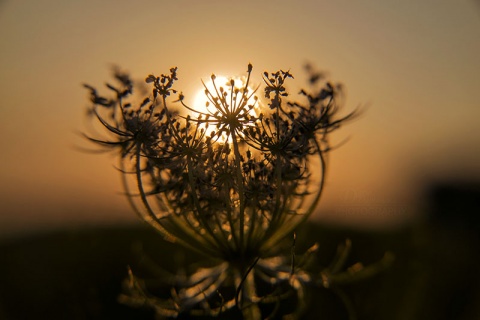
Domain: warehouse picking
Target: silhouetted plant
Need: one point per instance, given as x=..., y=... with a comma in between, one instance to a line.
x=234, y=193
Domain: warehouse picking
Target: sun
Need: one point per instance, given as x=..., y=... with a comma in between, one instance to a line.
x=218, y=85
x=201, y=102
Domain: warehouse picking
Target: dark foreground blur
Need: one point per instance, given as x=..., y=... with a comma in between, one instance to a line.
x=78, y=274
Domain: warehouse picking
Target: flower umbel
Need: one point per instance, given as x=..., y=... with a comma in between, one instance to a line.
x=234, y=200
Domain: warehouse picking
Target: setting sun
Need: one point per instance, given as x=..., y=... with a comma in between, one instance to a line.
x=237, y=95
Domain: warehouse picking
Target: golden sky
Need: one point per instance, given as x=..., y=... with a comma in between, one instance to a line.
x=413, y=65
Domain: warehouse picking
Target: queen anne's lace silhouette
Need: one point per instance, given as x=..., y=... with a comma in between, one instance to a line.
x=232, y=199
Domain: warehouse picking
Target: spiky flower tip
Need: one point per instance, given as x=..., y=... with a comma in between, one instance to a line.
x=232, y=193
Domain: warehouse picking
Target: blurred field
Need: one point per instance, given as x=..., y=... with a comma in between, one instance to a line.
x=78, y=274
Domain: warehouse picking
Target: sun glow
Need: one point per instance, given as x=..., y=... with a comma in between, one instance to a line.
x=231, y=89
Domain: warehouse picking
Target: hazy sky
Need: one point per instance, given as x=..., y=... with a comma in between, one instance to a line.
x=414, y=66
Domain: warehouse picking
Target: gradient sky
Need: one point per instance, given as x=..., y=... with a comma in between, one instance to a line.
x=413, y=65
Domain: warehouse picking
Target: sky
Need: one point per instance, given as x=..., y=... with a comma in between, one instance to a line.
x=412, y=67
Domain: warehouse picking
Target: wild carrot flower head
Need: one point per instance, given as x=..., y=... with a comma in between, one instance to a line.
x=236, y=198
x=226, y=198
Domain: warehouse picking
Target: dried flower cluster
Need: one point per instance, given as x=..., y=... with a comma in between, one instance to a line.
x=232, y=193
